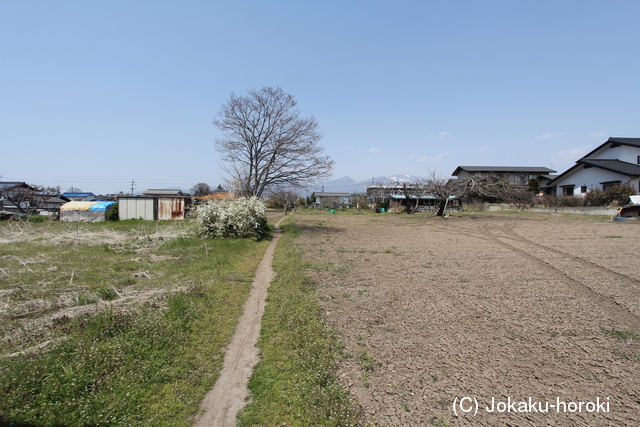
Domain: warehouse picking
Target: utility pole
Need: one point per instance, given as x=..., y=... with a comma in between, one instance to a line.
x=132, y=185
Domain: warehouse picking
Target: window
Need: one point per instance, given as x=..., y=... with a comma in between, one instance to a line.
x=638, y=160
x=567, y=190
x=583, y=189
x=609, y=185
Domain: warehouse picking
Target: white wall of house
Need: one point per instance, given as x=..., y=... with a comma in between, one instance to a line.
x=586, y=179
x=623, y=153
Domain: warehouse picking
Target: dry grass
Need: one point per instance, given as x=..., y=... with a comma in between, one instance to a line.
x=115, y=323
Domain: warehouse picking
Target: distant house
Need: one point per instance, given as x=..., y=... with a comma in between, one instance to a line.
x=408, y=196
x=51, y=205
x=80, y=197
x=18, y=197
x=545, y=181
x=329, y=199
x=520, y=175
x=614, y=163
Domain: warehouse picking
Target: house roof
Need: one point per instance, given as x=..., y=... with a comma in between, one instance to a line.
x=523, y=169
x=613, y=165
x=633, y=142
x=77, y=194
x=163, y=192
x=549, y=177
x=424, y=197
x=54, y=199
x=330, y=194
x=11, y=184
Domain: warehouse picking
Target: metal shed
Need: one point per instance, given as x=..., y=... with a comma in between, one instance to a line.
x=85, y=211
x=138, y=208
x=152, y=208
x=171, y=208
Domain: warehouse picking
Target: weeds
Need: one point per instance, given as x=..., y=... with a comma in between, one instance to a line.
x=295, y=384
x=143, y=350
x=623, y=335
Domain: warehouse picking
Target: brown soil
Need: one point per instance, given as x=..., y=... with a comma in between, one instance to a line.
x=432, y=311
x=228, y=396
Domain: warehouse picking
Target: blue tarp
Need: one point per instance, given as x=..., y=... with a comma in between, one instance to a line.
x=101, y=206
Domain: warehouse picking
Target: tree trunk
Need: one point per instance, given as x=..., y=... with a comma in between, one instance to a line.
x=442, y=207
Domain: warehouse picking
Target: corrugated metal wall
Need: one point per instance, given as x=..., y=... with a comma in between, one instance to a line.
x=170, y=208
x=137, y=208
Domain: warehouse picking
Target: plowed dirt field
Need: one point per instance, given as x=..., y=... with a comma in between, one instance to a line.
x=493, y=320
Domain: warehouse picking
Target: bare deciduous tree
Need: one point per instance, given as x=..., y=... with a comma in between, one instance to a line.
x=443, y=188
x=266, y=143
x=287, y=199
x=502, y=190
x=26, y=198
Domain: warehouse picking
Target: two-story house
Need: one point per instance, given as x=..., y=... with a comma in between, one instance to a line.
x=616, y=162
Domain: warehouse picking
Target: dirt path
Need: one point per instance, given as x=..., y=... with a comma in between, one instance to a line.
x=488, y=309
x=221, y=405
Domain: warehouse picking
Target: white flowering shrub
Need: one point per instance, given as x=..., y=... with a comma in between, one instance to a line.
x=231, y=218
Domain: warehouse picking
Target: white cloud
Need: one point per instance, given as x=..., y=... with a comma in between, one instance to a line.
x=551, y=135
x=423, y=158
x=440, y=156
x=598, y=135
x=483, y=148
x=443, y=134
x=374, y=150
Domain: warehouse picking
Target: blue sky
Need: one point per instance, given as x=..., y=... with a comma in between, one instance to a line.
x=95, y=94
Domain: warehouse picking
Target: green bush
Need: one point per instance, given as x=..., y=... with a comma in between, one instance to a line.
x=232, y=218
x=112, y=213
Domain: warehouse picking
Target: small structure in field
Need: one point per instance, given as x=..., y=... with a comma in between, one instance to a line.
x=154, y=205
x=85, y=211
x=332, y=199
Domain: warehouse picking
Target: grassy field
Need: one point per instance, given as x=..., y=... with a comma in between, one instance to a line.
x=125, y=324
x=115, y=323
x=295, y=383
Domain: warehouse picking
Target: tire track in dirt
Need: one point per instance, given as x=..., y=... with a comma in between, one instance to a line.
x=621, y=311
x=521, y=239
x=615, y=309
x=433, y=310
x=221, y=405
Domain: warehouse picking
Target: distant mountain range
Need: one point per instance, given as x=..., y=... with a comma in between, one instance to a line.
x=349, y=185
